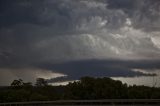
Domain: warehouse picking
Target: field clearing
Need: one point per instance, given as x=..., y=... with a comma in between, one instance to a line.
x=108, y=102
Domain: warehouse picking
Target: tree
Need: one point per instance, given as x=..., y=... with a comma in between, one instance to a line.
x=41, y=82
x=17, y=83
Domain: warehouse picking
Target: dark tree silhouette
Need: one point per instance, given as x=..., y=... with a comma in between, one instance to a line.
x=41, y=82
x=86, y=88
x=17, y=83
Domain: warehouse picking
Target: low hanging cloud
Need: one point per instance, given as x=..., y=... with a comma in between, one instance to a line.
x=103, y=68
x=37, y=33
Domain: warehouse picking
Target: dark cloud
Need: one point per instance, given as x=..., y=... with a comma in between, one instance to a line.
x=103, y=68
x=122, y=4
x=144, y=14
x=65, y=14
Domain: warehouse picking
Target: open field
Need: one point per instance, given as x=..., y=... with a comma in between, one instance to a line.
x=108, y=102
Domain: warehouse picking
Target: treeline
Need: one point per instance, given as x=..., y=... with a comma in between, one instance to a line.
x=87, y=88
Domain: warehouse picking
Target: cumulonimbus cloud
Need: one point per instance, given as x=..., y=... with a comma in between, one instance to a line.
x=51, y=32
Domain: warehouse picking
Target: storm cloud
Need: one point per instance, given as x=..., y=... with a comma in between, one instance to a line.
x=56, y=35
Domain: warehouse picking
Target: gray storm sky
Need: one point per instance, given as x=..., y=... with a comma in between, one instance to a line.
x=74, y=38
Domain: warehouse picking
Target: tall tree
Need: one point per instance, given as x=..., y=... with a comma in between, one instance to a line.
x=17, y=83
x=41, y=82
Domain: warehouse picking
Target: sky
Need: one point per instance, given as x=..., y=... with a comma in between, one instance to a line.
x=64, y=40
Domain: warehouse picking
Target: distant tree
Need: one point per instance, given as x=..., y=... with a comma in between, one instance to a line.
x=17, y=83
x=41, y=82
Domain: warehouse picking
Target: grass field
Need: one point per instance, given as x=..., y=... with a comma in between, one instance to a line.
x=108, y=102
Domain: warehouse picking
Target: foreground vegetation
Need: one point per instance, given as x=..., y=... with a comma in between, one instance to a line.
x=87, y=88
